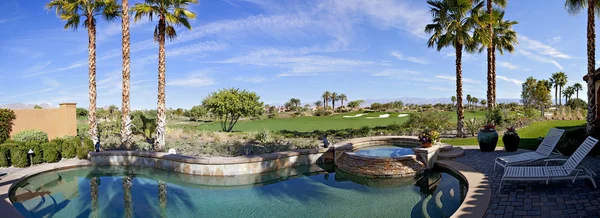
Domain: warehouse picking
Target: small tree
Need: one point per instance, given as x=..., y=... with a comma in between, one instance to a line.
x=228, y=105
x=196, y=113
x=37, y=107
x=7, y=116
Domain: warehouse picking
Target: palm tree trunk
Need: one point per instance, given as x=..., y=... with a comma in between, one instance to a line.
x=127, y=195
x=494, y=75
x=162, y=198
x=94, y=195
x=333, y=104
x=459, y=107
x=591, y=49
x=577, y=93
x=555, y=95
x=490, y=90
x=559, y=98
x=93, y=131
x=159, y=143
x=125, y=119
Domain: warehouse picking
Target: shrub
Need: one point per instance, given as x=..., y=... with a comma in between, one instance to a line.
x=4, y=154
x=432, y=120
x=262, y=136
x=576, y=103
x=394, y=127
x=83, y=150
x=51, y=152
x=530, y=112
x=18, y=156
x=69, y=147
x=31, y=135
x=38, y=154
x=321, y=112
x=81, y=112
x=494, y=116
x=7, y=117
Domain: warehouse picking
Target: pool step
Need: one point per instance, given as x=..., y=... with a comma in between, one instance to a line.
x=451, y=153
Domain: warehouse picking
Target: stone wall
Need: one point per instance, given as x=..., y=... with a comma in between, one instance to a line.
x=404, y=166
x=213, y=166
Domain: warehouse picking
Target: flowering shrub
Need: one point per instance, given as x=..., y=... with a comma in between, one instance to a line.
x=429, y=136
x=488, y=128
x=510, y=131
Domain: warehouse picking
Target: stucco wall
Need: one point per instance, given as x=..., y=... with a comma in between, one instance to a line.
x=57, y=122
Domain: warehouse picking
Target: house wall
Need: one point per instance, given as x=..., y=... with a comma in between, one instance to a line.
x=57, y=122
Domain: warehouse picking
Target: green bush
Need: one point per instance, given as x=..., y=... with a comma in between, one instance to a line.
x=69, y=147
x=577, y=103
x=87, y=147
x=7, y=117
x=4, y=155
x=81, y=112
x=18, y=156
x=432, y=120
x=37, y=156
x=321, y=112
x=51, y=152
x=494, y=116
x=31, y=135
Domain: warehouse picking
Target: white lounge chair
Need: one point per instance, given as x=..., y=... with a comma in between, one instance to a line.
x=571, y=169
x=544, y=151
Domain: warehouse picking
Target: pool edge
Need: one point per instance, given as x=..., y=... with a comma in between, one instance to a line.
x=479, y=192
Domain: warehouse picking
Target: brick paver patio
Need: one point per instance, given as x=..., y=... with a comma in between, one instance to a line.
x=535, y=199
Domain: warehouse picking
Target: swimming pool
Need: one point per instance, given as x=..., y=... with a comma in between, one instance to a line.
x=148, y=192
x=384, y=151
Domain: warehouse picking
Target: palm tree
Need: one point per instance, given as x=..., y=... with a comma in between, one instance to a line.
x=170, y=13
x=453, y=22
x=574, y=7
x=318, y=104
x=453, y=99
x=554, y=81
x=334, y=97
x=326, y=97
x=483, y=102
x=577, y=87
x=474, y=101
x=504, y=38
x=491, y=73
x=568, y=92
x=125, y=119
x=343, y=98
x=72, y=11
x=561, y=81
x=469, y=99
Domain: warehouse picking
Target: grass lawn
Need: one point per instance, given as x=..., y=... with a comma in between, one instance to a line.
x=309, y=124
x=529, y=135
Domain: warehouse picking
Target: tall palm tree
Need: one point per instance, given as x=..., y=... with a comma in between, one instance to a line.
x=568, y=92
x=334, y=97
x=504, y=38
x=491, y=92
x=170, y=13
x=554, y=81
x=577, y=87
x=574, y=7
x=72, y=11
x=561, y=81
x=318, y=104
x=326, y=97
x=453, y=22
x=343, y=98
x=125, y=119
x=453, y=99
x=469, y=99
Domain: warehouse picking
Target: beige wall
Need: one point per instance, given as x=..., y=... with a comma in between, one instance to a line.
x=57, y=122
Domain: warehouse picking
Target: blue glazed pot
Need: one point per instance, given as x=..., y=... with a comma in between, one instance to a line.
x=487, y=140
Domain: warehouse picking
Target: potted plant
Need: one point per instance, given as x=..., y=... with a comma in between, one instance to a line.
x=428, y=137
x=511, y=139
x=487, y=138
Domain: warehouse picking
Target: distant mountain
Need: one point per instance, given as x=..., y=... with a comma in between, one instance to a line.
x=25, y=106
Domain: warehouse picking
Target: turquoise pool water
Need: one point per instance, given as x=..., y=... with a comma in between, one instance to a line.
x=384, y=151
x=305, y=191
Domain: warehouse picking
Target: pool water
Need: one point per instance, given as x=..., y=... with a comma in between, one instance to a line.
x=384, y=151
x=147, y=192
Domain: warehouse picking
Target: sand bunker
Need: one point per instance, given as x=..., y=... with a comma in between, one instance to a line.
x=402, y=115
x=358, y=115
x=380, y=116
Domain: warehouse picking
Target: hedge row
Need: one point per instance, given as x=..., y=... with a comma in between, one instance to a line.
x=15, y=153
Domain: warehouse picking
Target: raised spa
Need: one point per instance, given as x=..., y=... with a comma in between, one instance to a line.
x=305, y=191
x=385, y=151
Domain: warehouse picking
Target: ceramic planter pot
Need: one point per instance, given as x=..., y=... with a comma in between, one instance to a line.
x=511, y=142
x=487, y=140
x=426, y=144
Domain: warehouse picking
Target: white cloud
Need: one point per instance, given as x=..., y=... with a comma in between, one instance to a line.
x=396, y=73
x=402, y=57
x=539, y=58
x=198, y=79
x=541, y=48
x=507, y=65
x=515, y=81
x=453, y=78
x=9, y=19
x=251, y=79
x=554, y=40
x=70, y=67
x=37, y=67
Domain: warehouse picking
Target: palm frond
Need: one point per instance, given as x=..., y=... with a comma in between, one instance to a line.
x=170, y=32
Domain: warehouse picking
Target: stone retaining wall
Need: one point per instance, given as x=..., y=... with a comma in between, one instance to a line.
x=404, y=166
x=213, y=166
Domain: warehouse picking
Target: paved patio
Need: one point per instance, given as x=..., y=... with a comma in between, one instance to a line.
x=535, y=199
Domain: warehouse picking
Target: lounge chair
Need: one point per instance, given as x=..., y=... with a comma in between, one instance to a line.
x=544, y=151
x=571, y=169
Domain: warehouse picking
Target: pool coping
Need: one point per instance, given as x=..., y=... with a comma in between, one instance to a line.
x=479, y=192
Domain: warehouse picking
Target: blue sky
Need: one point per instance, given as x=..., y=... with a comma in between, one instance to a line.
x=279, y=49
